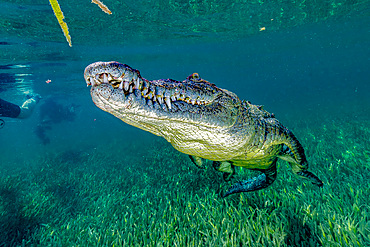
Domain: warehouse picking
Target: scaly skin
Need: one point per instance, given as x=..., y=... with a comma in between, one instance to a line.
x=201, y=120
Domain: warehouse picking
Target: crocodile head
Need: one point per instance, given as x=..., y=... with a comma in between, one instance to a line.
x=193, y=115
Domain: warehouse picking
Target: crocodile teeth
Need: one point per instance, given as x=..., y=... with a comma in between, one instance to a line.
x=130, y=89
x=160, y=99
x=145, y=91
x=92, y=82
x=105, y=78
x=168, y=102
x=126, y=84
x=173, y=98
x=121, y=85
x=137, y=83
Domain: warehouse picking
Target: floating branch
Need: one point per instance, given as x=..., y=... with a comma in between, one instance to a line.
x=59, y=15
x=102, y=6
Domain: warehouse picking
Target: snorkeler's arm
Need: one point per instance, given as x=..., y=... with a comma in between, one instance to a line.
x=28, y=106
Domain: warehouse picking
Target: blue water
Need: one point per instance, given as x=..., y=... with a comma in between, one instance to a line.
x=317, y=71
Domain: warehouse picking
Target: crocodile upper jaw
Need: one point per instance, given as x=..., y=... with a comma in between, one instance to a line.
x=120, y=90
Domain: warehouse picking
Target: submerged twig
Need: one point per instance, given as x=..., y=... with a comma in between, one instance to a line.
x=59, y=15
x=102, y=6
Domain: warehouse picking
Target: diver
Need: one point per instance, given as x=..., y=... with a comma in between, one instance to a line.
x=11, y=110
x=10, y=80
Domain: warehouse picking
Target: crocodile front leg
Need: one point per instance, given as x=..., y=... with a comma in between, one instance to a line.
x=226, y=167
x=198, y=161
x=262, y=181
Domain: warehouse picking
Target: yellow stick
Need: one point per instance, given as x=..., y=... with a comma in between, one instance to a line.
x=59, y=15
x=102, y=6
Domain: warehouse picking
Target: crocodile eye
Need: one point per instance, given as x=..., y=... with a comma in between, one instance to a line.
x=195, y=76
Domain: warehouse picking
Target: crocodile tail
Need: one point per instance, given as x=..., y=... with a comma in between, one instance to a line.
x=309, y=175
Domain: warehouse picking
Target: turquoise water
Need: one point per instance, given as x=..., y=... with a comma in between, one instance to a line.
x=318, y=68
x=309, y=64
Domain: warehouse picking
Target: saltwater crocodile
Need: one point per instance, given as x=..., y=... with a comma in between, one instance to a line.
x=201, y=120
